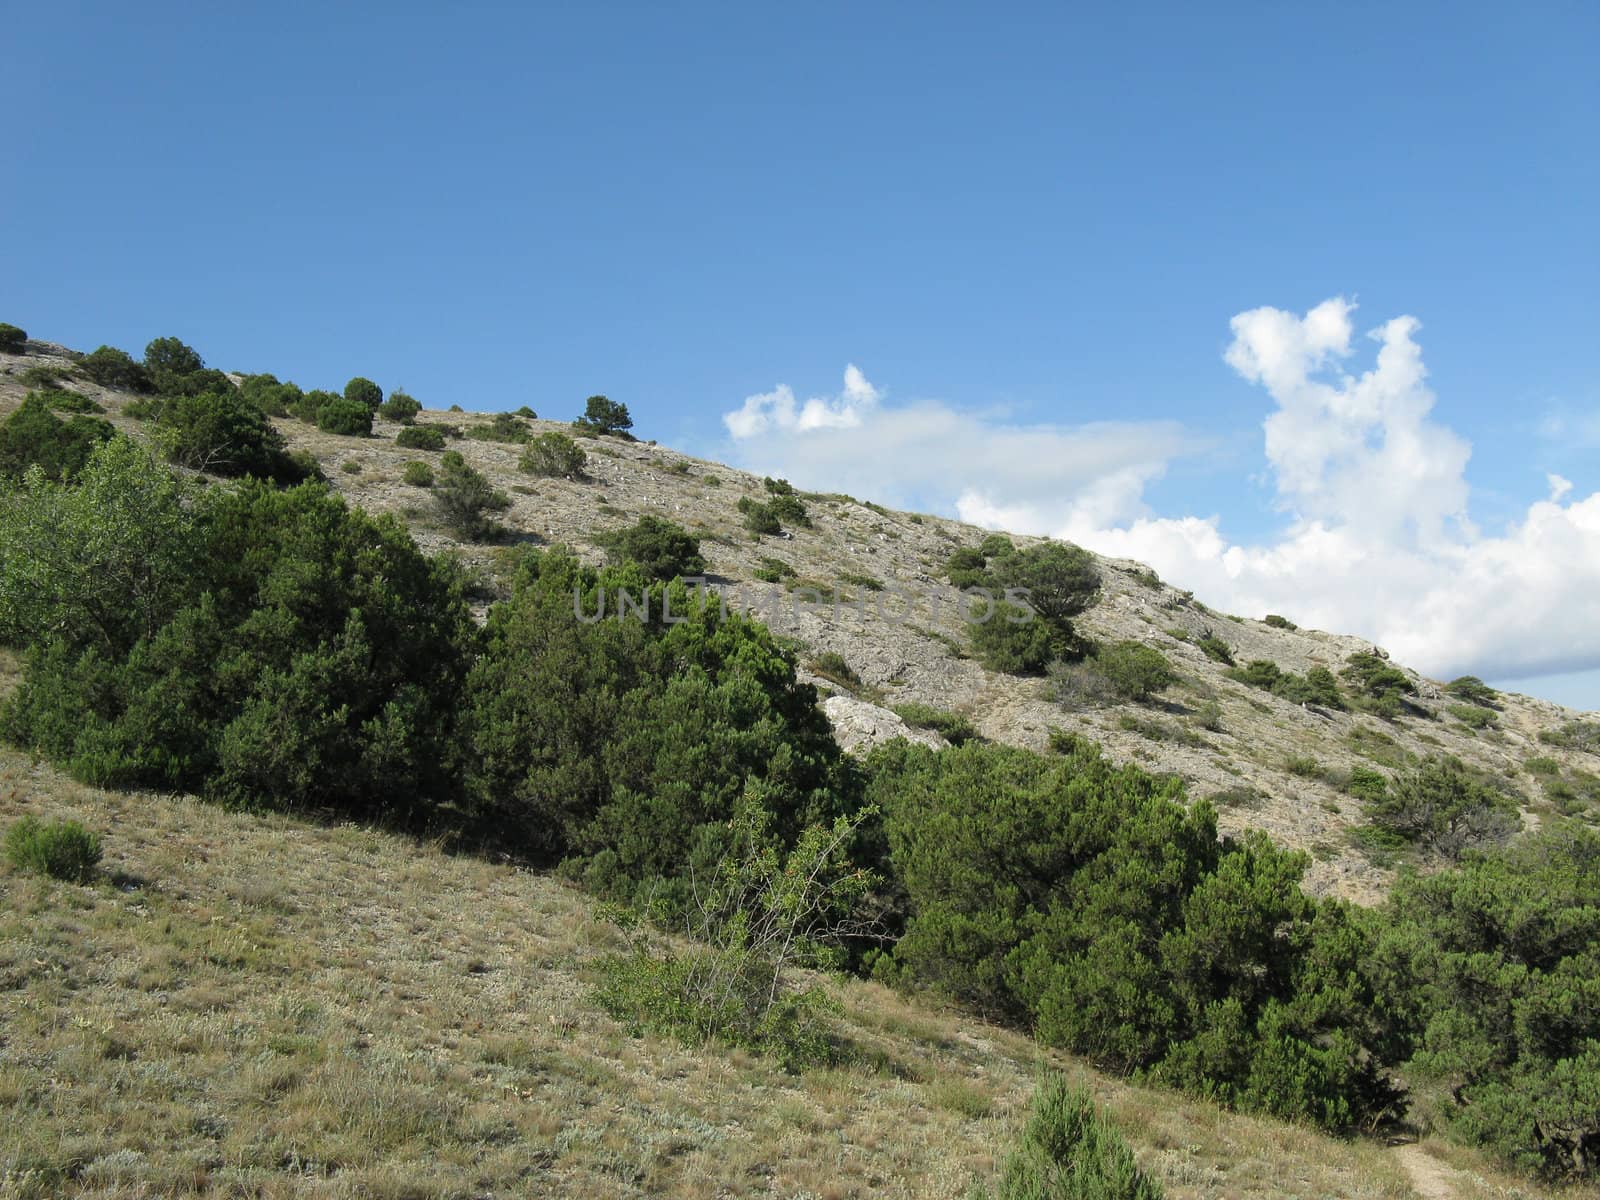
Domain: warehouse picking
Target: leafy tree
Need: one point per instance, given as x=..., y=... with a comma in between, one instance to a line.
x=420, y=437
x=169, y=356
x=34, y=436
x=1377, y=685
x=1442, y=806
x=660, y=549
x=464, y=497
x=12, y=339
x=1215, y=648
x=113, y=368
x=553, y=455
x=1137, y=671
x=400, y=408
x=364, y=392
x=312, y=403
x=344, y=416
x=605, y=416
x=256, y=645
x=1060, y=579
x=221, y=433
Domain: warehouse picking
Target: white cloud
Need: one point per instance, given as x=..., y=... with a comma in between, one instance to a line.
x=1377, y=539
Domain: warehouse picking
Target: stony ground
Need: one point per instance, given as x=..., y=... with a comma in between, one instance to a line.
x=1271, y=764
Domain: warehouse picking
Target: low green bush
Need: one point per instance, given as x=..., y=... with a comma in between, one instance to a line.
x=12, y=339
x=1069, y=1150
x=954, y=728
x=221, y=433
x=464, y=498
x=417, y=474
x=603, y=416
x=1215, y=648
x=773, y=570
x=1135, y=670
x=346, y=417
x=113, y=368
x=833, y=666
x=1277, y=622
x=400, y=408
x=1473, y=716
x=420, y=437
x=1472, y=690
x=34, y=435
x=507, y=428
x=1445, y=807
x=660, y=549
x=62, y=850
x=553, y=455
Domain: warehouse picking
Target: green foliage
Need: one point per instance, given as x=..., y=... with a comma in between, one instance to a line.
x=346, y=417
x=400, y=408
x=660, y=549
x=1136, y=671
x=1277, y=622
x=1574, y=735
x=273, y=398
x=773, y=570
x=33, y=436
x=1070, y=1151
x=1378, y=687
x=996, y=545
x=1316, y=686
x=967, y=568
x=507, y=428
x=1491, y=973
x=1215, y=648
x=255, y=645
x=1060, y=580
x=766, y=912
x=1020, y=616
x=364, y=392
x=175, y=369
x=12, y=339
x=465, y=498
x=1472, y=716
x=113, y=368
x=623, y=744
x=1367, y=785
x=1472, y=690
x=49, y=377
x=1302, y=765
x=1010, y=638
x=554, y=455
x=350, y=467
x=417, y=474
x=1540, y=765
x=953, y=727
x=1089, y=902
x=1444, y=807
x=833, y=666
x=601, y=415
x=759, y=518
x=855, y=579
x=420, y=437
x=62, y=850
x=223, y=434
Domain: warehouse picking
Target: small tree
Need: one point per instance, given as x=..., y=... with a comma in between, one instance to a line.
x=1137, y=671
x=168, y=356
x=400, y=408
x=553, y=455
x=1473, y=690
x=662, y=549
x=464, y=496
x=348, y=417
x=365, y=392
x=113, y=368
x=1069, y=1151
x=1442, y=806
x=605, y=416
x=12, y=339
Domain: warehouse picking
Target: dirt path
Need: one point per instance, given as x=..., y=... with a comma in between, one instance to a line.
x=1430, y=1178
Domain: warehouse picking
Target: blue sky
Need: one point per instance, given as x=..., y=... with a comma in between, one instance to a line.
x=1039, y=220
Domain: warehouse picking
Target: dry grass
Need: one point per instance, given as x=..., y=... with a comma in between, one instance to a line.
x=256, y=1005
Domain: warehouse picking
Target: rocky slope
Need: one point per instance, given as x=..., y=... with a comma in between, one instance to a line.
x=869, y=586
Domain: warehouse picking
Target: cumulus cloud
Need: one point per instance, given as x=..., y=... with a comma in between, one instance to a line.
x=1376, y=537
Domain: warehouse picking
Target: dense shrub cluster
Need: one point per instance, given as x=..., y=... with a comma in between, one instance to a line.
x=1316, y=686
x=12, y=339
x=1444, y=807
x=364, y=392
x=113, y=368
x=659, y=548
x=272, y=397
x=554, y=455
x=34, y=436
x=350, y=418
x=224, y=434
x=1377, y=687
x=502, y=427
x=1022, y=619
x=420, y=437
x=257, y=646
x=1085, y=900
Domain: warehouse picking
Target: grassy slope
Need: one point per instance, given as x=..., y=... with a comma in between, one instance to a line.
x=258, y=1005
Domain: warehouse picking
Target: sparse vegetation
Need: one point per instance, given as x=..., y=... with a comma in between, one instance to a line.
x=1583, y=736
x=1443, y=807
x=506, y=428
x=1070, y=1151
x=952, y=727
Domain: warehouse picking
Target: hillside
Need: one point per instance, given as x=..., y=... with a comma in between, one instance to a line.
x=255, y=1005
x=1270, y=763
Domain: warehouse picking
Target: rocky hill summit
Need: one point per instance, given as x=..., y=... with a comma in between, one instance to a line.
x=863, y=594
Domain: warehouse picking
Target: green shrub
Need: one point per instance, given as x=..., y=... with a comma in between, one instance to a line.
x=953, y=727
x=601, y=415
x=773, y=570
x=1302, y=765
x=832, y=665
x=506, y=428
x=1472, y=690
x=1215, y=648
x=176, y=369
x=554, y=455
x=400, y=408
x=364, y=392
x=660, y=549
x=996, y=545
x=861, y=581
x=346, y=417
x=12, y=339
x=1071, y=1151
x=62, y=850
x=1009, y=638
x=1444, y=807
x=34, y=436
x=350, y=467
x=420, y=437
x=221, y=433
x=113, y=368
x=1277, y=622
x=524, y=411
x=1367, y=785
x=464, y=497
x=1472, y=716
x=270, y=396
x=1539, y=765
x=967, y=568
x=1378, y=687
x=1136, y=671
x=417, y=474
x=256, y=645
x=1574, y=735
x=48, y=377
x=759, y=518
